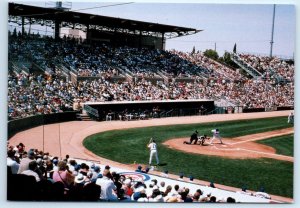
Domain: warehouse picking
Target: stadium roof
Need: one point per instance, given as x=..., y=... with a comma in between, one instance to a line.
x=42, y=13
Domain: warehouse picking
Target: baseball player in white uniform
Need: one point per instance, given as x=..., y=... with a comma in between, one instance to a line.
x=216, y=135
x=153, y=151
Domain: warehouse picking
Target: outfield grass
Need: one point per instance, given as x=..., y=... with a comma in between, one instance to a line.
x=129, y=145
x=284, y=145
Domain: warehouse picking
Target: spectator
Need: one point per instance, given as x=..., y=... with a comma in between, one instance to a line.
x=32, y=171
x=63, y=175
x=24, y=165
x=107, y=187
x=11, y=162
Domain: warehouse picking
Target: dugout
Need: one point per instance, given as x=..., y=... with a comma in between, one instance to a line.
x=161, y=108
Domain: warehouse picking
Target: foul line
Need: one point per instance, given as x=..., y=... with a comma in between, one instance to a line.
x=262, y=137
x=254, y=151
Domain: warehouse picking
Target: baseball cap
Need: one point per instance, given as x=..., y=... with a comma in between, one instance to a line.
x=30, y=152
x=96, y=168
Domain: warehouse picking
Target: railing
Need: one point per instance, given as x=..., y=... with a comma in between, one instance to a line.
x=91, y=111
x=169, y=112
x=126, y=73
x=162, y=114
x=166, y=80
x=217, y=110
x=252, y=71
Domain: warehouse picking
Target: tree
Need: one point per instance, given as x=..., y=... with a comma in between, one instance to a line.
x=234, y=48
x=15, y=32
x=226, y=59
x=194, y=50
x=211, y=54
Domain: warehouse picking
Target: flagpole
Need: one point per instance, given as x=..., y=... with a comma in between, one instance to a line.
x=272, y=34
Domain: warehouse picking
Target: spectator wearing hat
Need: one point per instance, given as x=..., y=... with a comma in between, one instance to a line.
x=84, y=169
x=63, y=174
x=96, y=173
x=76, y=169
x=197, y=195
x=107, y=187
x=71, y=165
x=11, y=162
x=139, y=169
x=76, y=191
x=55, y=163
x=24, y=165
x=80, y=179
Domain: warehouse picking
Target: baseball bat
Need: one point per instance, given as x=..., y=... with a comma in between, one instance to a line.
x=149, y=142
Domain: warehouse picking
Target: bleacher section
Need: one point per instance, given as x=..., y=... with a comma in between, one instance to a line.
x=68, y=71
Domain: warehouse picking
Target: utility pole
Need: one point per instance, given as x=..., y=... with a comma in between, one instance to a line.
x=272, y=34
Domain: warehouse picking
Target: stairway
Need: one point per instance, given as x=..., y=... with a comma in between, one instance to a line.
x=83, y=117
x=249, y=69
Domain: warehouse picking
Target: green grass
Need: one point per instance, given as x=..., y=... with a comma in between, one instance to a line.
x=129, y=145
x=284, y=145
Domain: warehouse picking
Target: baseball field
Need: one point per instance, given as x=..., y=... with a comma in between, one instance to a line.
x=257, y=152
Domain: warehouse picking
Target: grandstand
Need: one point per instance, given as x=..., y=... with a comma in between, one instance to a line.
x=122, y=72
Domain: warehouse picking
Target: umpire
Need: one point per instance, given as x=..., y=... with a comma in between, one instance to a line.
x=193, y=139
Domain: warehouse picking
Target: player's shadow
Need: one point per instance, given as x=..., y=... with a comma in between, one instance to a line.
x=162, y=164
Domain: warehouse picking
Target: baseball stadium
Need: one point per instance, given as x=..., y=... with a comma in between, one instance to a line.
x=99, y=110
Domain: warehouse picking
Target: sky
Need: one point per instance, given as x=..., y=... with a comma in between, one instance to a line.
x=223, y=25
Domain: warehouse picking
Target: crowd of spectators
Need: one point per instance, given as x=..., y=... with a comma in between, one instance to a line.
x=101, y=59
x=34, y=95
x=214, y=69
x=270, y=66
x=51, y=92
x=35, y=175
